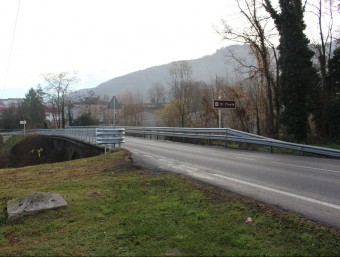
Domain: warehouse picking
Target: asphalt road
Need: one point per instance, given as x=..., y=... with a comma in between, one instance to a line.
x=309, y=186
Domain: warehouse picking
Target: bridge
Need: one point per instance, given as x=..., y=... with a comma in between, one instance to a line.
x=308, y=185
x=72, y=149
x=79, y=142
x=110, y=137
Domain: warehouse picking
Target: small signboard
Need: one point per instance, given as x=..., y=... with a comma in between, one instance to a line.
x=226, y=104
x=114, y=104
x=23, y=122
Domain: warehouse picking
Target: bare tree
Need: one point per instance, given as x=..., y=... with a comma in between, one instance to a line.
x=157, y=94
x=200, y=105
x=245, y=115
x=323, y=46
x=168, y=116
x=57, y=88
x=132, y=113
x=257, y=31
x=181, y=88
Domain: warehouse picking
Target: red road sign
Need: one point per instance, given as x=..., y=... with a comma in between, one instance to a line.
x=225, y=104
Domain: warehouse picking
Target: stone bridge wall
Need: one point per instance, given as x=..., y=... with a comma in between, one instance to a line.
x=72, y=149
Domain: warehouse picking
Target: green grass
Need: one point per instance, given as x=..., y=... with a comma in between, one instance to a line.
x=12, y=141
x=115, y=208
x=329, y=145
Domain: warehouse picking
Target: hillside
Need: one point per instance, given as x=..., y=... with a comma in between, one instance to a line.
x=220, y=63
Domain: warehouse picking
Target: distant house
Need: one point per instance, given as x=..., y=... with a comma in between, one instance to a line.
x=98, y=108
x=10, y=101
x=50, y=117
x=2, y=108
x=7, y=103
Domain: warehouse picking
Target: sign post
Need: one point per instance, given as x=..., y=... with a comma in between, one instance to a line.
x=223, y=104
x=23, y=122
x=114, y=104
x=219, y=118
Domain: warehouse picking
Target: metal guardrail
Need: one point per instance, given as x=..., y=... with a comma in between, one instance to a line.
x=110, y=136
x=107, y=136
x=228, y=135
x=88, y=134
x=84, y=134
x=210, y=131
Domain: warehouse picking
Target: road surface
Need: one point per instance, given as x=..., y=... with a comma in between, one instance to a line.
x=309, y=186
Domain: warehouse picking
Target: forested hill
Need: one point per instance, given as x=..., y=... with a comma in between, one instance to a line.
x=204, y=69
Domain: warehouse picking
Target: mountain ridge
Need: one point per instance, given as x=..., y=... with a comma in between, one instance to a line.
x=203, y=68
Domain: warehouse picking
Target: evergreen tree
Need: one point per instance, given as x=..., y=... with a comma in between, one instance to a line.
x=32, y=109
x=298, y=78
x=333, y=82
x=10, y=118
x=86, y=119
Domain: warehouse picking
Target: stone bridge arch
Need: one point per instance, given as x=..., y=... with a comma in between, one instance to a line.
x=71, y=149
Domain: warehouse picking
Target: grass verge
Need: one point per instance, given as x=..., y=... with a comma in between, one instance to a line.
x=117, y=209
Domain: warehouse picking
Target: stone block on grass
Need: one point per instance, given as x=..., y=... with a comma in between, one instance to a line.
x=34, y=203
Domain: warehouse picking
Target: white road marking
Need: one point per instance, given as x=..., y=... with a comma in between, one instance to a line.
x=307, y=199
x=244, y=158
x=188, y=168
x=305, y=167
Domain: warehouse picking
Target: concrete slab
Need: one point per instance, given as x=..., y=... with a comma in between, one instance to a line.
x=34, y=203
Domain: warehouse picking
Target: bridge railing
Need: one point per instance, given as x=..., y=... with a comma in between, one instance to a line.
x=227, y=135
x=85, y=134
x=88, y=134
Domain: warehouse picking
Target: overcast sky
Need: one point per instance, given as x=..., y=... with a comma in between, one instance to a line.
x=102, y=39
